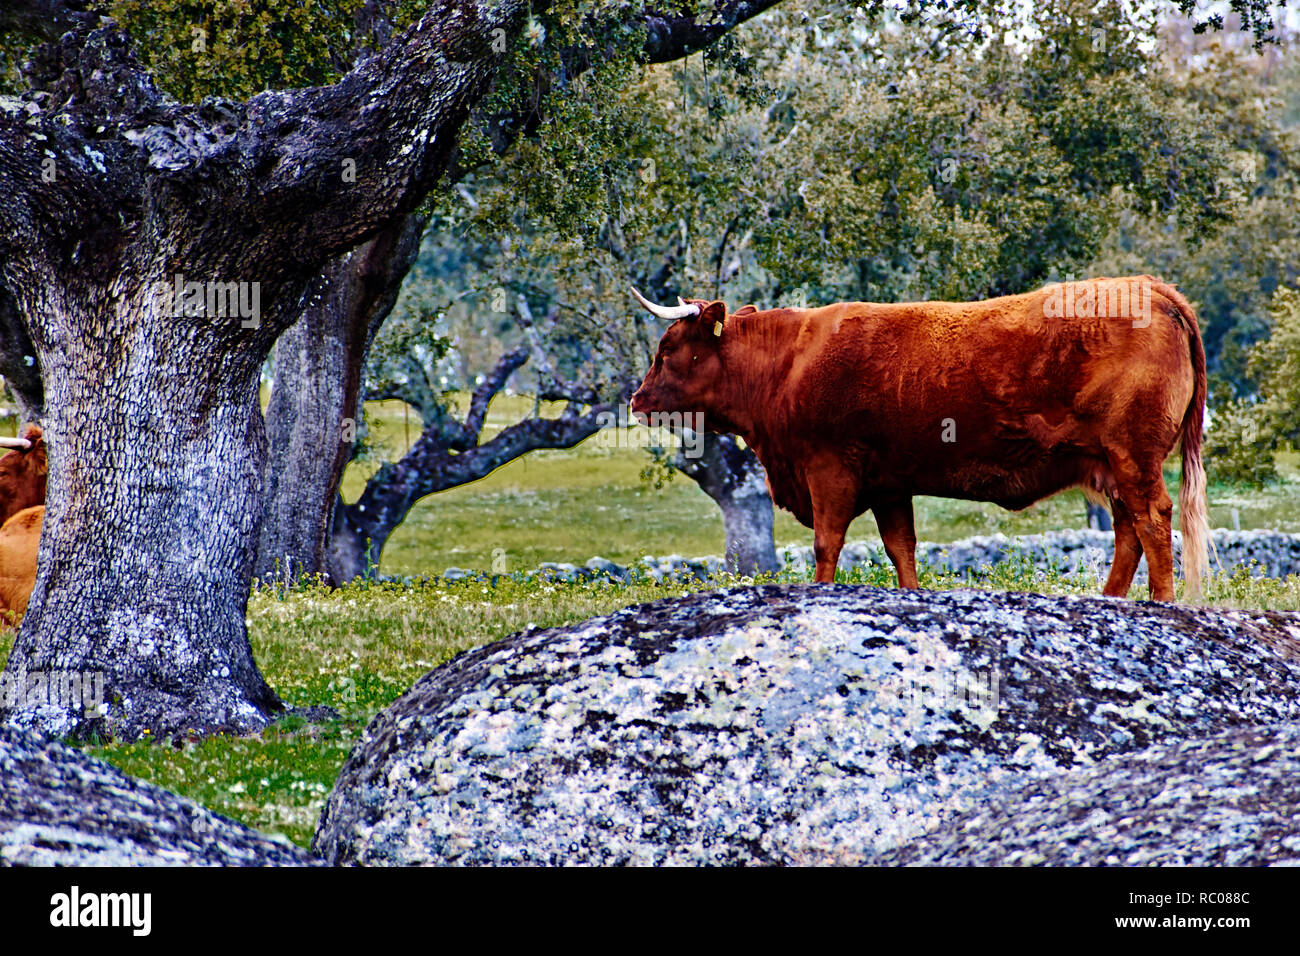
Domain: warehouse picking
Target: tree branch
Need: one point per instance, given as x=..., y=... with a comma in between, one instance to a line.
x=487, y=389
x=671, y=36
x=429, y=467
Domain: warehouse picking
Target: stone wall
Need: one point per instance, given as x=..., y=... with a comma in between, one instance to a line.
x=1269, y=553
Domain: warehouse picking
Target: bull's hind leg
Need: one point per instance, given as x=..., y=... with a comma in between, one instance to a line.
x=1128, y=552
x=898, y=531
x=1156, y=535
x=1144, y=496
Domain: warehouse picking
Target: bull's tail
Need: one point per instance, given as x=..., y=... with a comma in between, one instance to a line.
x=1193, y=510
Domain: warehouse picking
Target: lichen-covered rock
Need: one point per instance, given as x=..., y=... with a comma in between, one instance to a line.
x=784, y=724
x=603, y=567
x=59, y=807
x=1227, y=800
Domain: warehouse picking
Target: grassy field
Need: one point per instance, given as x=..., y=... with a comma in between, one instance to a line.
x=568, y=505
x=358, y=648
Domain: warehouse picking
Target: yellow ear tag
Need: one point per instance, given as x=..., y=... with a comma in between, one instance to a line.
x=717, y=328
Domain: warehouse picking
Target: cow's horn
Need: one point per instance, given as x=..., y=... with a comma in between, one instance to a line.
x=667, y=312
x=14, y=443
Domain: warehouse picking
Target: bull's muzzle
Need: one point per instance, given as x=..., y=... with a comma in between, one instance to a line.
x=638, y=407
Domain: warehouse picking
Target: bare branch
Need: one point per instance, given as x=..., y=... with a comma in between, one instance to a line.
x=42, y=18
x=671, y=36
x=429, y=467
x=489, y=387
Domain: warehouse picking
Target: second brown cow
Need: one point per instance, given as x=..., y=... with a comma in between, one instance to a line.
x=20, y=540
x=23, y=473
x=860, y=406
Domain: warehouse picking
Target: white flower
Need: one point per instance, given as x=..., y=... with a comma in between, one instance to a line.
x=535, y=33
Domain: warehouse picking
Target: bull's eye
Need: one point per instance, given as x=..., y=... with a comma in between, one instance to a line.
x=695, y=358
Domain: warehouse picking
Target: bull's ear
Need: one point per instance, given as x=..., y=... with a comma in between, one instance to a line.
x=32, y=432
x=712, y=316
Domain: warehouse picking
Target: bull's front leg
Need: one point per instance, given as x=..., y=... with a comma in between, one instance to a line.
x=827, y=544
x=898, y=532
x=834, y=495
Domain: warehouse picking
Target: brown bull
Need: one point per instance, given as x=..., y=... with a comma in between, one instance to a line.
x=23, y=472
x=859, y=407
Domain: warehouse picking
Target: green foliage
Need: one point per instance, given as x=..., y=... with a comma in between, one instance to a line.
x=659, y=470
x=979, y=172
x=557, y=100
x=1239, y=447
x=1232, y=273
x=237, y=48
x=825, y=153
x=1247, y=432
x=13, y=49
x=1246, y=587
x=1275, y=366
x=408, y=358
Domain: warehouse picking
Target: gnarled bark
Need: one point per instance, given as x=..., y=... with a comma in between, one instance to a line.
x=157, y=444
x=150, y=529
x=316, y=398
x=734, y=478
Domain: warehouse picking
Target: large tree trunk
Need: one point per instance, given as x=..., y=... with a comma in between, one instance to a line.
x=157, y=444
x=315, y=401
x=734, y=478
x=151, y=520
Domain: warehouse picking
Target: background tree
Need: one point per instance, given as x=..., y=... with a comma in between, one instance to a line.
x=1231, y=273
x=1247, y=432
x=822, y=154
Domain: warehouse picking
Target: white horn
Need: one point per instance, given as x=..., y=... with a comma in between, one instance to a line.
x=14, y=443
x=667, y=312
